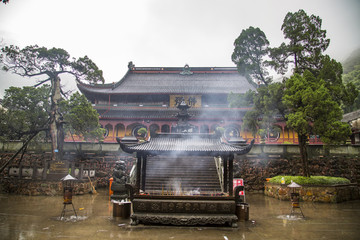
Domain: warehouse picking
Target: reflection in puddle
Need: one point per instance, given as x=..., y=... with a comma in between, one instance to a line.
x=72, y=218
x=290, y=217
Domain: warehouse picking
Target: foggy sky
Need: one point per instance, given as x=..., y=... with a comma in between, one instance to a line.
x=163, y=32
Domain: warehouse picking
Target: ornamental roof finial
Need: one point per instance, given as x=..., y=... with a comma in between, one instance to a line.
x=186, y=70
x=131, y=65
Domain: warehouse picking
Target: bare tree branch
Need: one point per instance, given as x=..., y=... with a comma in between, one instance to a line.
x=42, y=82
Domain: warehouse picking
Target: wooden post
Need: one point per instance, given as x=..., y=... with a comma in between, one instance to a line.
x=44, y=174
x=143, y=173
x=81, y=172
x=231, y=174
x=34, y=167
x=225, y=173
x=20, y=171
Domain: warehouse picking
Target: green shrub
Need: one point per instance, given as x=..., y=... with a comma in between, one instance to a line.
x=313, y=180
x=142, y=132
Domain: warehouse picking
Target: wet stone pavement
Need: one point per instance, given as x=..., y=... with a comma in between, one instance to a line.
x=38, y=217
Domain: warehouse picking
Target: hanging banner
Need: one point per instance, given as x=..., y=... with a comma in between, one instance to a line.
x=239, y=182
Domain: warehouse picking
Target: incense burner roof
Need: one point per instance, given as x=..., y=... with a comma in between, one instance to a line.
x=186, y=143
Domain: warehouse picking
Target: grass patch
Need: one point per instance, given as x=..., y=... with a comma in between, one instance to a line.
x=313, y=180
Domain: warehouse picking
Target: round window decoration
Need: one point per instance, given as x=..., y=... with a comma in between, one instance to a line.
x=274, y=134
x=106, y=132
x=136, y=132
x=231, y=132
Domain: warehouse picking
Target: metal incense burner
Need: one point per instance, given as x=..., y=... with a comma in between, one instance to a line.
x=295, y=197
x=176, y=155
x=68, y=183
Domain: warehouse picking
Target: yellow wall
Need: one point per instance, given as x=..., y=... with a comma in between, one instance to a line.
x=288, y=137
x=120, y=131
x=110, y=129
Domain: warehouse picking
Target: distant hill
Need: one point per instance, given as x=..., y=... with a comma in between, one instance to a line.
x=353, y=60
x=351, y=67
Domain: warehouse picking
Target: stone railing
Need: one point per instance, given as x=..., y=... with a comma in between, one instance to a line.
x=285, y=150
x=132, y=175
x=220, y=171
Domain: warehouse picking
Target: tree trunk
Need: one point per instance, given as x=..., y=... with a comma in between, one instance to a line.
x=55, y=121
x=304, y=155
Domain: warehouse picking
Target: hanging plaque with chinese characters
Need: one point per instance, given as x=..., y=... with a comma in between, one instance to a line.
x=191, y=100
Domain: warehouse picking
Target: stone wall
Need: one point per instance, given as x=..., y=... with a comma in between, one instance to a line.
x=255, y=170
x=102, y=163
x=263, y=161
x=40, y=187
x=325, y=194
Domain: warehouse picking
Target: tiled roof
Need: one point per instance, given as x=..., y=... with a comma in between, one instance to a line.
x=193, y=144
x=348, y=117
x=171, y=81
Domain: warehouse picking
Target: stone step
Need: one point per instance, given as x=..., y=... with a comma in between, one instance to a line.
x=180, y=172
x=188, y=179
x=167, y=185
x=184, y=187
x=182, y=175
x=210, y=180
x=182, y=167
x=165, y=182
x=162, y=172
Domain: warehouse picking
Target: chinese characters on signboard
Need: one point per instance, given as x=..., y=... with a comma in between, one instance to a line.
x=191, y=100
x=239, y=182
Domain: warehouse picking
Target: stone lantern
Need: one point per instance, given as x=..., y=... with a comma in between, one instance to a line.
x=295, y=197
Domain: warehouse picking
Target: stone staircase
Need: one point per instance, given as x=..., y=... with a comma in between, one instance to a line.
x=190, y=175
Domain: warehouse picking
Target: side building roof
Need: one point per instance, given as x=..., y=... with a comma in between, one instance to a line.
x=172, y=80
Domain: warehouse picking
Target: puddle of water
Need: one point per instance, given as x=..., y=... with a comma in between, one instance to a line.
x=38, y=217
x=72, y=218
x=291, y=217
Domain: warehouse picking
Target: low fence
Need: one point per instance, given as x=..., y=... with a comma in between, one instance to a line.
x=269, y=150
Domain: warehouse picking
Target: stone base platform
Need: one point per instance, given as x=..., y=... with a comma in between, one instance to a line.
x=184, y=210
x=185, y=219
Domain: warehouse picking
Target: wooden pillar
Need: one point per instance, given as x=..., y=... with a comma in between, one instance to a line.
x=113, y=132
x=293, y=133
x=138, y=173
x=231, y=174
x=225, y=173
x=143, y=173
x=283, y=132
